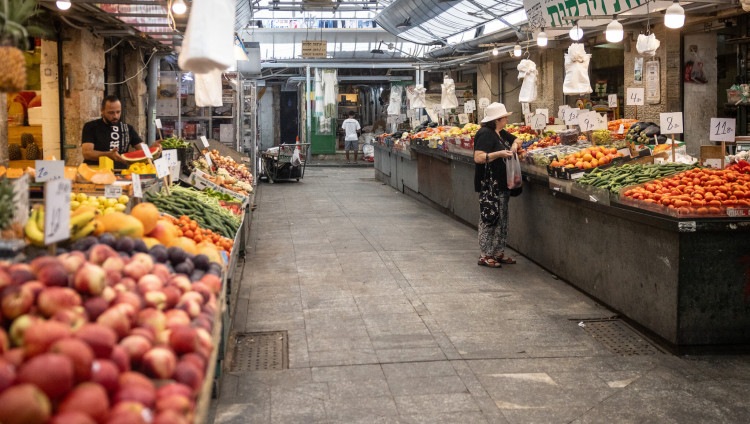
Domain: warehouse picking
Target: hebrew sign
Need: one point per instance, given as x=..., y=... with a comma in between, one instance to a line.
x=551, y=13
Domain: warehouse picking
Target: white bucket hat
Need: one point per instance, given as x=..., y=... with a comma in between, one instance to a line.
x=495, y=111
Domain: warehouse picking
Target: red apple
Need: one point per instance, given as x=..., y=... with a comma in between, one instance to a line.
x=126, y=284
x=188, y=374
x=152, y=318
x=112, y=278
x=195, y=359
x=145, y=259
x=15, y=356
x=135, y=393
x=7, y=374
x=170, y=416
x=129, y=413
x=95, y=306
x=72, y=261
x=19, y=274
x=89, y=398
x=79, y=352
x=177, y=403
x=74, y=318
x=109, y=294
x=135, y=270
x=106, y=373
x=181, y=281
x=72, y=417
x=144, y=332
x=51, y=372
x=203, y=290
x=170, y=389
x=5, y=342
x=5, y=279
x=129, y=298
x=205, y=343
x=149, y=282
x=16, y=301
x=183, y=339
x=135, y=346
x=159, y=363
x=116, y=319
x=100, y=253
x=100, y=338
x=36, y=287
x=177, y=317
x=19, y=326
x=156, y=299
x=40, y=336
x=120, y=358
x=192, y=307
x=161, y=271
x=53, y=299
x=24, y=404
x=53, y=274
x=173, y=296
x=37, y=264
x=90, y=279
x=132, y=378
x=114, y=263
x=212, y=281
x=192, y=296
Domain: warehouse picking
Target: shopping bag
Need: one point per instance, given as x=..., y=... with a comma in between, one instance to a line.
x=513, y=172
x=208, y=89
x=208, y=43
x=296, y=159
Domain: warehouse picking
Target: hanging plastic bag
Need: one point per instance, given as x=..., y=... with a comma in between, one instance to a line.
x=448, y=99
x=208, y=89
x=208, y=44
x=647, y=44
x=696, y=73
x=577, y=70
x=296, y=159
x=419, y=101
x=513, y=172
x=527, y=71
x=394, y=104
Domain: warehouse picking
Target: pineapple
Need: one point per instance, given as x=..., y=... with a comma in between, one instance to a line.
x=14, y=33
x=26, y=139
x=6, y=203
x=33, y=153
x=14, y=152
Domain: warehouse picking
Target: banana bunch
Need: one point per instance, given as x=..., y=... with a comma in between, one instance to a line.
x=82, y=223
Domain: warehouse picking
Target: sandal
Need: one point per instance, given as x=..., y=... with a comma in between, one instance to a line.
x=488, y=261
x=504, y=259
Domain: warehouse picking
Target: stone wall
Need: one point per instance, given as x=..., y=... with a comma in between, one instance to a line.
x=700, y=99
x=135, y=98
x=50, y=100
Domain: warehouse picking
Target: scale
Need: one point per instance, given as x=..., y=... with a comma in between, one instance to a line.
x=742, y=144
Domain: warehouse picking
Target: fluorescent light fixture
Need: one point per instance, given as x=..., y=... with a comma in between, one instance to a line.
x=614, y=32
x=179, y=7
x=541, y=39
x=404, y=24
x=495, y=51
x=675, y=16
x=517, y=51
x=576, y=33
x=63, y=5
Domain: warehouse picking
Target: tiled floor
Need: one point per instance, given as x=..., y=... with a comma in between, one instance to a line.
x=390, y=320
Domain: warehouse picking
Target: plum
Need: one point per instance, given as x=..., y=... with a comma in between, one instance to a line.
x=140, y=246
x=84, y=244
x=201, y=262
x=197, y=275
x=159, y=253
x=176, y=255
x=125, y=244
x=185, y=267
x=107, y=239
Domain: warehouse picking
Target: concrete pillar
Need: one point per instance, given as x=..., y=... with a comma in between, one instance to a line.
x=83, y=61
x=50, y=100
x=488, y=84
x=551, y=67
x=136, y=96
x=276, y=91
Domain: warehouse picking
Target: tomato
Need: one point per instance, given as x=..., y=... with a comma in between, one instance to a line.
x=698, y=202
x=702, y=211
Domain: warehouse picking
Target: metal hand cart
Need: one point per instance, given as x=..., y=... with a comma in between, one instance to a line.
x=277, y=162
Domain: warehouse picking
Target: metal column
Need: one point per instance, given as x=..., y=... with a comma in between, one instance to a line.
x=308, y=109
x=153, y=82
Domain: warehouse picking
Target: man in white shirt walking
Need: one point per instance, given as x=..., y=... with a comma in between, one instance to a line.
x=351, y=140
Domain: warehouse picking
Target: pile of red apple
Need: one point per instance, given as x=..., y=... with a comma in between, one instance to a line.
x=103, y=337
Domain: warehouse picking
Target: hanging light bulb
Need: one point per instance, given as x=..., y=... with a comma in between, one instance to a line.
x=63, y=5
x=495, y=51
x=541, y=39
x=576, y=33
x=517, y=51
x=675, y=16
x=614, y=32
x=179, y=7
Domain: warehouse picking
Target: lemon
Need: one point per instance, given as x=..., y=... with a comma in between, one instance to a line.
x=124, y=199
x=81, y=197
x=74, y=205
x=120, y=207
x=108, y=211
x=111, y=202
x=102, y=200
x=72, y=197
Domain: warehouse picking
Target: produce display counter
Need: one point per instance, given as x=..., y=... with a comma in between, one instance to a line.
x=397, y=168
x=683, y=280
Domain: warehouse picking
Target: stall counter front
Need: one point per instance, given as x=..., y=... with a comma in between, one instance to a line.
x=685, y=281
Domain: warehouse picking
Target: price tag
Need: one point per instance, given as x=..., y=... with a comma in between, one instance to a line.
x=612, y=100
x=470, y=106
x=57, y=210
x=571, y=116
x=525, y=109
x=625, y=151
x=671, y=123
x=162, y=168
x=113, y=191
x=21, y=199
x=157, y=121
x=137, y=188
x=146, y=151
x=561, y=111
x=170, y=155
x=538, y=122
x=635, y=96
x=621, y=130
x=722, y=129
x=463, y=118
x=601, y=121
x=174, y=171
x=484, y=102
x=587, y=121
x=438, y=109
x=208, y=159
x=204, y=141
x=713, y=163
x=48, y=170
x=544, y=112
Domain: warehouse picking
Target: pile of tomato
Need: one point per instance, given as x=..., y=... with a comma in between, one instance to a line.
x=189, y=228
x=699, y=191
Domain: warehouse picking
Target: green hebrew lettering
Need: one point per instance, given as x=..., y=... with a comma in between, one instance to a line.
x=569, y=4
x=617, y=6
x=552, y=10
x=586, y=2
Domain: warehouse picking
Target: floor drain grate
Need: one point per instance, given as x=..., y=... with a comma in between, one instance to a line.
x=261, y=351
x=618, y=337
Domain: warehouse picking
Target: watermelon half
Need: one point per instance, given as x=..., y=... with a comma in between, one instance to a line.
x=139, y=155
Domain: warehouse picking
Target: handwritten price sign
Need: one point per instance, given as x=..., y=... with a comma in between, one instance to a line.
x=671, y=123
x=57, y=210
x=571, y=116
x=538, y=122
x=48, y=170
x=137, y=188
x=612, y=100
x=587, y=121
x=146, y=151
x=204, y=141
x=484, y=102
x=722, y=129
x=635, y=96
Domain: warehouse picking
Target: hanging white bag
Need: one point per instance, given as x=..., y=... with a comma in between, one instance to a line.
x=448, y=99
x=394, y=105
x=419, y=102
x=647, y=44
x=208, y=89
x=296, y=160
x=527, y=71
x=577, y=70
x=208, y=43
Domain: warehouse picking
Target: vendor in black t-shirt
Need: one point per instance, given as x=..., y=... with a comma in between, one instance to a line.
x=109, y=136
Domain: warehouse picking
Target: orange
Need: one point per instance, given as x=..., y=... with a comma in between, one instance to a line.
x=587, y=165
x=185, y=244
x=599, y=155
x=147, y=214
x=594, y=163
x=587, y=157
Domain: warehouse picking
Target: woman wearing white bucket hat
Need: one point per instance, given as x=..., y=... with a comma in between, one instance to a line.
x=491, y=143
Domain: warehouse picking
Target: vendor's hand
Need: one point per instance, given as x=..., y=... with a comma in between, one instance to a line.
x=157, y=143
x=115, y=156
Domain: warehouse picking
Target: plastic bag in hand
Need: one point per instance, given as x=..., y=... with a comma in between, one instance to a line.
x=208, y=44
x=513, y=172
x=527, y=71
x=647, y=44
x=577, y=70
